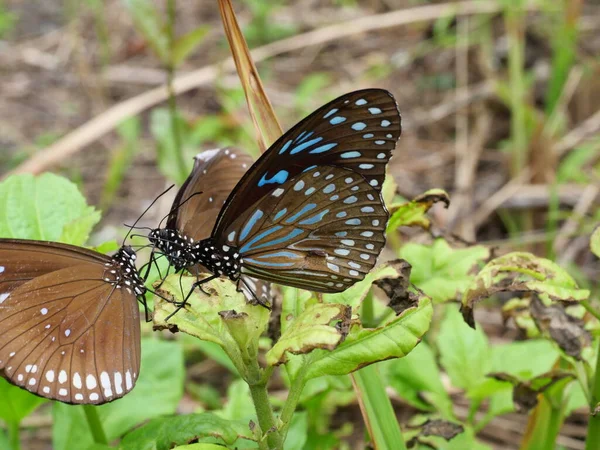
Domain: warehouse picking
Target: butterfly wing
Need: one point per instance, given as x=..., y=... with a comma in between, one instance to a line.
x=321, y=231
x=356, y=131
x=215, y=174
x=68, y=334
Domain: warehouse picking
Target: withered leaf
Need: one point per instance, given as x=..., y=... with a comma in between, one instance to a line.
x=435, y=427
x=565, y=330
x=397, y=288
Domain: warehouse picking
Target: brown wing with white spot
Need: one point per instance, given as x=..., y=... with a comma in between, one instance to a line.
x=73, y=333
x=321, y=231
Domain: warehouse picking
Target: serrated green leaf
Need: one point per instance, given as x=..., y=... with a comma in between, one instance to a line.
x=464, y=352
x=362, y=347
x=186, y=44
x=521, y=272
x=47, y=207
x=413, y=213
x=201, y=317
x=16, y=403
x=312, y=329
x=595, y=242
x=163, y=433
x=441, y=272
x=148, y=22
x=417, y=379
x=157, y=392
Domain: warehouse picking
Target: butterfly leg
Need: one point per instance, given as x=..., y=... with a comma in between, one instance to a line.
x=260, y=302
x=182, y=304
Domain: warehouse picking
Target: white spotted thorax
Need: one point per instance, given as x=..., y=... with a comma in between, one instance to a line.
x=122, y=273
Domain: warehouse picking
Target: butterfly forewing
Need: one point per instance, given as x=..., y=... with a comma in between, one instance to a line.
x=357, y=131
x=71, y=334
x=215, y=174
x=322, y=230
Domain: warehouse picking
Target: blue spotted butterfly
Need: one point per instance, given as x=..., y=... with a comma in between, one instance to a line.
x=309, y=212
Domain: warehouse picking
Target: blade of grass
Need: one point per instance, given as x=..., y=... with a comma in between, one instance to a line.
x=265, y=122
x=377, y=409
x=592, y=440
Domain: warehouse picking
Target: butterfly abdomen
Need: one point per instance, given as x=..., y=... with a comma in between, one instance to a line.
x=219, y=259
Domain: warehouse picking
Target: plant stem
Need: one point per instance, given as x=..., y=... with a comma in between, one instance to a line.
x=592, y=441
x=91, y=414
x=172, y=102
x=266, y=418
x=13, y=435
x=291, y=402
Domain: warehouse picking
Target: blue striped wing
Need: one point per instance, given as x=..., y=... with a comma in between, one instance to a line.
x=322, y=230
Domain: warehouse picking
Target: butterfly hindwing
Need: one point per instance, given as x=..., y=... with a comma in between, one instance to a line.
x=322, y=230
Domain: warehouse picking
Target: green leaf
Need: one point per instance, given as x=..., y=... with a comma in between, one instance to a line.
x=148, y=22
x=157, y=392
x=525, y=359
x=199, y=447
x=364, y=346
x=413, y=213
x=312, y=329
x=239, y=404
x=521, y=272
x=417, y=379
x=440, y=271
x=47, y=207
x=595, y=242
x=465, y=353
x=16, y=403
x=164, y=432
x=203, y=318
x=186, y=44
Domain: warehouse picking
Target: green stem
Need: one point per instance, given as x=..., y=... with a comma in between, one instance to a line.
x=592, y=441
x=589, y=308
x=91, y=414
x=172, y=102
x=291, y=402
x=13, y=435
x=264, y=413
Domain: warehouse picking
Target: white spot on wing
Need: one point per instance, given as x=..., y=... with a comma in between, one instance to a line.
x=50, y=376
x=90, y=381
x=4, y=296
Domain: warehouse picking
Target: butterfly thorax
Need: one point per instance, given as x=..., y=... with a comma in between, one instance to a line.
x=219, y=259
x=175, y=246
x=122, y=273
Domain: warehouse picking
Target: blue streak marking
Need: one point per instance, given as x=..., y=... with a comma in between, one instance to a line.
x=278, y=178
x=285, y=147
x=268, y=263
x=385, y=123
x=347, y=155
x=333, y=111
x=375, y=110
x=280, y=213
x=353, y=222
x=309, y=168
x=368, y=135
x=360, y=102
x=323, y=148
x=281, y=253
x=303, y=137
x=359, y=126
x=304, y=145
x=314, y=219
x=248, y=245
x=308, y=207
x=337, y=120
x=250, y=224
x=295, y=232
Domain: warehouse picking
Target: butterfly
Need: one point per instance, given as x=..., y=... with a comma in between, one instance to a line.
x=192, y=217
x=69, y=320
x=309, y=212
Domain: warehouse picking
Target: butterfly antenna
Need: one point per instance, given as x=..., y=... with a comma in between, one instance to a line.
x=175, y=208
x=145, y=211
